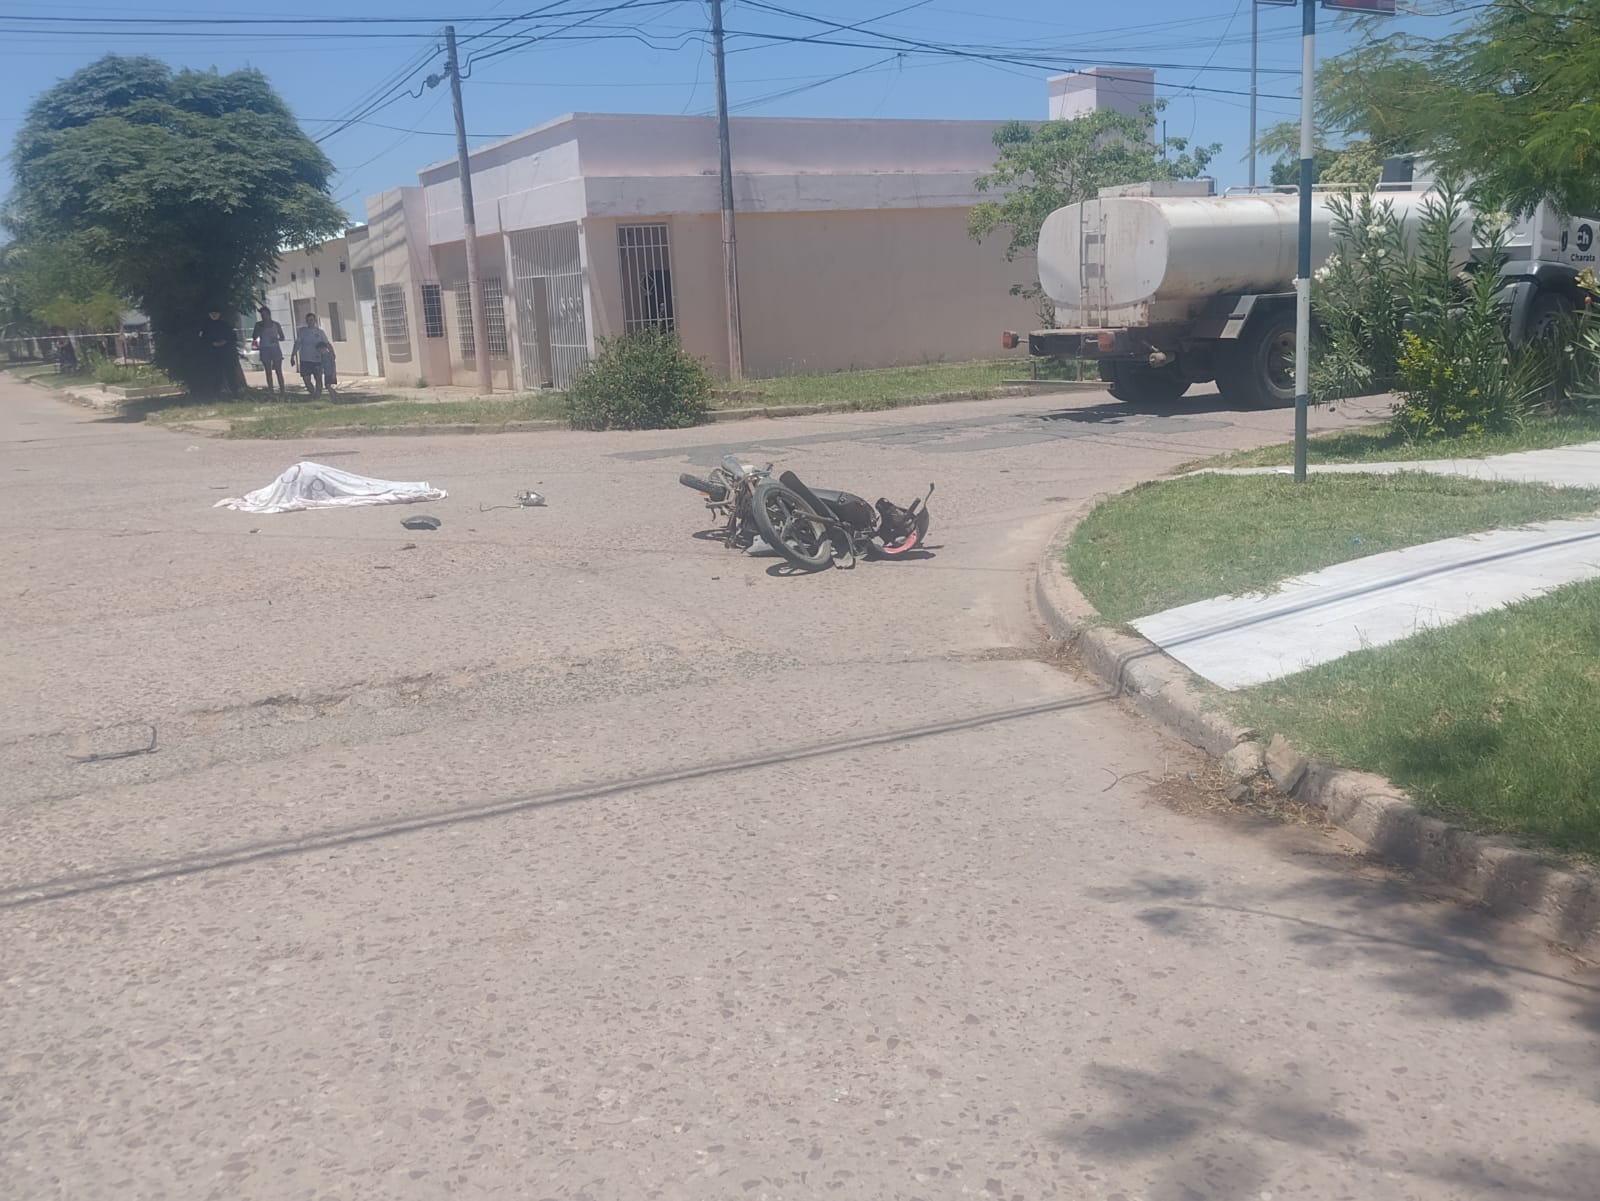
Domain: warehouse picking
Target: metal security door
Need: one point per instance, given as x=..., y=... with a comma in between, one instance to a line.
x=547, y=277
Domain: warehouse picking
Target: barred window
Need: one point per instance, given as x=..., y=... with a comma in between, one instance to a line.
x=469, y=346
x=645, y=261
x=432, y=310
x=396, y=326
x=494, y=318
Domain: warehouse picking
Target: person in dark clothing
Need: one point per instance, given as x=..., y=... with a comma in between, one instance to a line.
x=222, y=346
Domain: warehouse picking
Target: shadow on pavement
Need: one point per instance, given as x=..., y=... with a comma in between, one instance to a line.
x=1207, y=1127
x=1112, y=411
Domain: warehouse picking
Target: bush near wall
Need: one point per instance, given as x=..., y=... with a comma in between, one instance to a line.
x=643, y=380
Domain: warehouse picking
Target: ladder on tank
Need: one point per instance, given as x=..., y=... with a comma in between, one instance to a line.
x=1091, y=266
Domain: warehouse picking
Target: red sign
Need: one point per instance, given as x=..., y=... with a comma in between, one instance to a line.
x=1362, y=6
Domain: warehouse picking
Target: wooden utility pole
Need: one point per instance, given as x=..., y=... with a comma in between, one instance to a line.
x=469, y=220
x=730, y=242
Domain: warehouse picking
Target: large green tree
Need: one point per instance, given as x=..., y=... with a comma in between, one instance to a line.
x=1040, y=168
x=184, y=184
x=1509, y=97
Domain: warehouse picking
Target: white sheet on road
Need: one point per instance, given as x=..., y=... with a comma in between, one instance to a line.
x=1562, y=466
x=1236, y=641
x=312, y=486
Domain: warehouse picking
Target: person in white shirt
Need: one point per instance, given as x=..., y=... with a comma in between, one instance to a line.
x=269, y=340
x=310, y=344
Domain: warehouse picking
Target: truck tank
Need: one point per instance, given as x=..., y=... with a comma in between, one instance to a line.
x=1170, y=253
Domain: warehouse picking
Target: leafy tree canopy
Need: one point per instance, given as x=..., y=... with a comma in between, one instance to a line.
x=184, y=184
x=1040, y=168
x=50, y=270
x=1358, y=163
x=1510, y=99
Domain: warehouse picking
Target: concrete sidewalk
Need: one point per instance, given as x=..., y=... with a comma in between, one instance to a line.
x=1564, y=466
x=1237, y=641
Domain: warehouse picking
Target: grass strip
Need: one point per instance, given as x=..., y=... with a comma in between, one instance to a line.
x=1171, y=542
x=1492, y=722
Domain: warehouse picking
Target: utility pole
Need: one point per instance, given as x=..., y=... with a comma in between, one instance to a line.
x=1302, y=283
x=469, y=220
x=730, y=243
x=1255, y=33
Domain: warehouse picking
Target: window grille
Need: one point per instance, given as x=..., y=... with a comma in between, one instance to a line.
x=645, y=260
x=469, y=347
x=432, y=311
x=494, y=318
x=396, y=327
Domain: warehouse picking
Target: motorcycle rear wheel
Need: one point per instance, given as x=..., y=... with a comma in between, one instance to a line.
x=778, y=514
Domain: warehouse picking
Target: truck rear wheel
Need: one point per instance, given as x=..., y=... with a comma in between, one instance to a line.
x=1257, y=371
x=1143, y=385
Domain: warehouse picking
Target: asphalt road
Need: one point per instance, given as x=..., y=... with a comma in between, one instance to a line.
x=560, y=853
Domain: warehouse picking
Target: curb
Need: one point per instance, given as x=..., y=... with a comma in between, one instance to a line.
x=1510, y=882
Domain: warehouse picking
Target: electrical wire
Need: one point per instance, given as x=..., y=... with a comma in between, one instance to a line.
x=755, y=102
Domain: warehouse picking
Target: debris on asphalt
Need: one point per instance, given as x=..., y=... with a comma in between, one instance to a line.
x=424, y=522
x=525, y=500
x=309, y=485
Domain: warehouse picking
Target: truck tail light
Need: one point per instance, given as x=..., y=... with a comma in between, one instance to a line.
x=1107, y=342
x=1009, y=340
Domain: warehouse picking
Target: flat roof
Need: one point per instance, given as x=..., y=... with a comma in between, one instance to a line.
x=677, y=119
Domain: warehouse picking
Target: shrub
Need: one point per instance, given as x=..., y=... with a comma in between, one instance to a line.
x=106, y=370
x=642, y=380
x=1458, y=373
x=1360, y=300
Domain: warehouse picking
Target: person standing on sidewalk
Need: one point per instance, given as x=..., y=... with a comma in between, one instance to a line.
x=269, y=341
x=310, y=344
x=222, y=349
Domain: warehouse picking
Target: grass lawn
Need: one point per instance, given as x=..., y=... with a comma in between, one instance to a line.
x=1380, y=444
x=293, y=418
x=879, y=389
x=1175, y=541
x=262, y=418
x=1492, y=721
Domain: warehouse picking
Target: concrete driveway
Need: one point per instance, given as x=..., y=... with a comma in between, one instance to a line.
x=559, y=853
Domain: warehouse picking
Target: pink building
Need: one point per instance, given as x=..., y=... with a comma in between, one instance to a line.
x=853, y=250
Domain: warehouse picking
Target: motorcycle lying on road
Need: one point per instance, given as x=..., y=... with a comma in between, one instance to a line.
x=728, y=494
x=812, y=528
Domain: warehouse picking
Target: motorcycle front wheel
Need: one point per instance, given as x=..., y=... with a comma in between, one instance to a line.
x=780, y=516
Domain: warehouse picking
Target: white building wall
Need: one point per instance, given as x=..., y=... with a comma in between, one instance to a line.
x=1126, y=90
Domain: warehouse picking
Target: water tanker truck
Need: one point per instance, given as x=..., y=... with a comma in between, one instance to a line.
x=1166, y=285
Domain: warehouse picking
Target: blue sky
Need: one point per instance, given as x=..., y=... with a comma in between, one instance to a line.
x=327, y=71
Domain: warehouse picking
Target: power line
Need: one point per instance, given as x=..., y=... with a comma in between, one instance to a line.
x=744, y=105
x=435, y=21
x=492, y=53
x=1032, y=62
